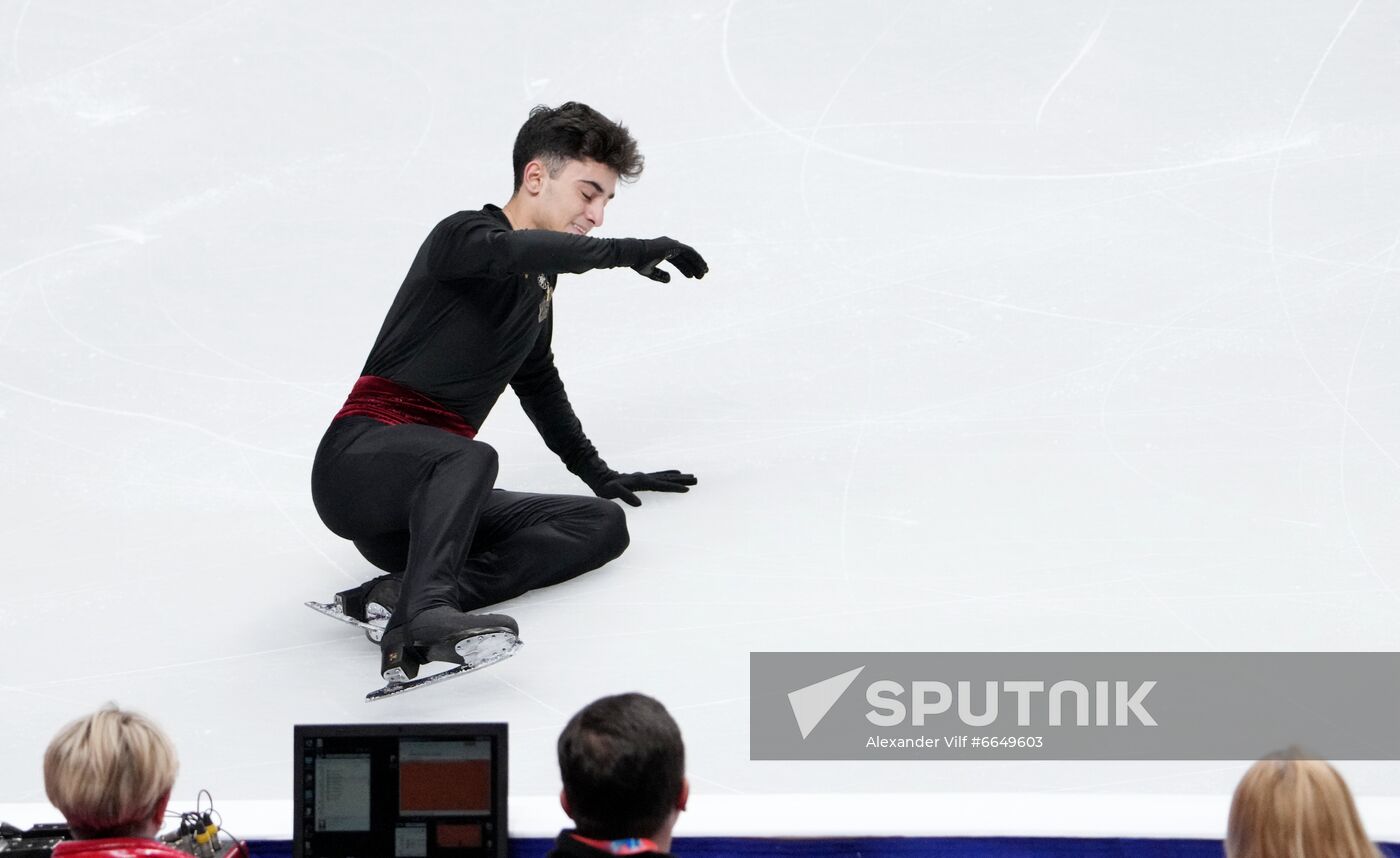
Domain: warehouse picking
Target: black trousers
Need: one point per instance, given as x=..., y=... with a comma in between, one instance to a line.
x=421, y=501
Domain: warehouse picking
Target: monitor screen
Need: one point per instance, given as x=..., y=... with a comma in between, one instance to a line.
x=400, y=791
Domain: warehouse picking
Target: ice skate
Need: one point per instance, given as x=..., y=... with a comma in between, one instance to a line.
x=470, y=641
x=367, y=606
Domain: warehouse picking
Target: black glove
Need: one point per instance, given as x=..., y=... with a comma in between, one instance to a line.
x=683, y=256
x=622, y=486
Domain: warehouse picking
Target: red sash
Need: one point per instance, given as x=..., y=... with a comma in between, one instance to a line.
x=395, y=405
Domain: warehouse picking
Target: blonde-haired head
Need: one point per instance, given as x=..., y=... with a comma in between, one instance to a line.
x=110, y=774
x=1295, y=808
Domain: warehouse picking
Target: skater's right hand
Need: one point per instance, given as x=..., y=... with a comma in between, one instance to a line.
x=658, y=250
x=624, y=486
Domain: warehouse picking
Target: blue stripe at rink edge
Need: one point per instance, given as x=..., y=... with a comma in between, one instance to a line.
x=889, y=847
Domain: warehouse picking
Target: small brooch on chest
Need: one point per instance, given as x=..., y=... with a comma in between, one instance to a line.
x=548, y=288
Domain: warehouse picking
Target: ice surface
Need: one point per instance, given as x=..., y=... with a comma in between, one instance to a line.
x=1060, y=328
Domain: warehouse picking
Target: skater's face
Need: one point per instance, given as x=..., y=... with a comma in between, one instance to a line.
x=572, y=200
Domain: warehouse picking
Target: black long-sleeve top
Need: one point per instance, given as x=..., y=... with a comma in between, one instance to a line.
x=474, y=314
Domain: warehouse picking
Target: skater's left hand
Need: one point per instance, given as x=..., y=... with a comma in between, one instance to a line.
x=623, y=486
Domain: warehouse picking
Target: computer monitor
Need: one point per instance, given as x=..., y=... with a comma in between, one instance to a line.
x=400, y=791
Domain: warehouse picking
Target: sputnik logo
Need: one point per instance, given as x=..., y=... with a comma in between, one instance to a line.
x=811, y=703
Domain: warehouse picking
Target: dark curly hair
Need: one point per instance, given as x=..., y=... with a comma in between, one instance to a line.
x=574, y=132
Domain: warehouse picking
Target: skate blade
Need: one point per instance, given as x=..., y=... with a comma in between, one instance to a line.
x=476, y=652
x=374, y=629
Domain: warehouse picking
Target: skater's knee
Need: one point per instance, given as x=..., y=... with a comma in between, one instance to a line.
x=482, y=455
x=612, y=529
x=475, y=457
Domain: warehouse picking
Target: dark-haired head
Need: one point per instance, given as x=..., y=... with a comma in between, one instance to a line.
x=574, y=132
x=623, y=766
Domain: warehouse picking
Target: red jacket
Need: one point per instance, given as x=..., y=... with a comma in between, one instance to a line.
x=116, y=847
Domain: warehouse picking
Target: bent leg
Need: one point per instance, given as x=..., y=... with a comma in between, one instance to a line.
x=442, y=524
x=373, y=483
x=527, y=541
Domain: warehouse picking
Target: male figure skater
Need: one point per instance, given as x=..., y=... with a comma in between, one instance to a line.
x=399, y=472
